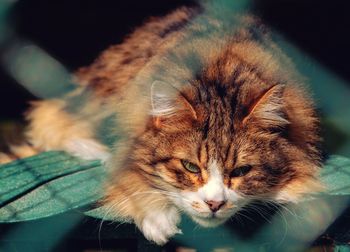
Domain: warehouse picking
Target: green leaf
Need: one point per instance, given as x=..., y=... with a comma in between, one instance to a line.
x=48, y=184
x=336, y=175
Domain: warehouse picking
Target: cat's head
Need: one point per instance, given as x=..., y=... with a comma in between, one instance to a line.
x=215, y=145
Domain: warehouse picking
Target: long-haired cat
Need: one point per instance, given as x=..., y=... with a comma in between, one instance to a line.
x=196, y=112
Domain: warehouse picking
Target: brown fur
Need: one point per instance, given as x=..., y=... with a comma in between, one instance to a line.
x=120, y=63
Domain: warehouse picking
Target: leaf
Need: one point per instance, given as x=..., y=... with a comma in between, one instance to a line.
x=48, y=184
x=336, y=175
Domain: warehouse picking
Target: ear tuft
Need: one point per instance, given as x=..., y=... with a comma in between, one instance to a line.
x=268, y=107
x=163, y=98
x=169, y=104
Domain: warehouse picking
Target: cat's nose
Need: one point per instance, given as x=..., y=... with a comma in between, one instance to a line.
x=215, y=205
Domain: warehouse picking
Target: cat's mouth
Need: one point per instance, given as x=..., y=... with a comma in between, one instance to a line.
x=213, y=216
x=211, y=221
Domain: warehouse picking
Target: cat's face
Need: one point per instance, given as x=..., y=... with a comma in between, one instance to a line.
x=208, y=187
x=215, y=152
x=212, y=178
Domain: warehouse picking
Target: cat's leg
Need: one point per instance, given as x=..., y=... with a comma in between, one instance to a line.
x=17, y=151
x=53, y=128
x=132, y=197
x=160, y=225
x=5, y=158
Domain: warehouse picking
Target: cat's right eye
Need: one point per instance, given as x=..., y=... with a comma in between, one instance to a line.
x=241, y=171
x=191, y=167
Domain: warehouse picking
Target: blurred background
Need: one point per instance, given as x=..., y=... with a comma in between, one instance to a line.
x=74, y=32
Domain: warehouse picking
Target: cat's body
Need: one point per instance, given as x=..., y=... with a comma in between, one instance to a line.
x=208, y=116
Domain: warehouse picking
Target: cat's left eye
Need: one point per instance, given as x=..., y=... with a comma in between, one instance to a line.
x=241, y=171
x=191, y=167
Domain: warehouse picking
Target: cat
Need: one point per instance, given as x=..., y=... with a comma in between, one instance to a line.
x=196, y=112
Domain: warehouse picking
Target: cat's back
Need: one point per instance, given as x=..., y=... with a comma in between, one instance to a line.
x=120, y=63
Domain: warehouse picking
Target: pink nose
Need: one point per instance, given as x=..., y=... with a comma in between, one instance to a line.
x=215, y=205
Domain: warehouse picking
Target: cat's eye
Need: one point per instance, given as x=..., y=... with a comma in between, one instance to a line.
x=241, y=171
x=191, y=167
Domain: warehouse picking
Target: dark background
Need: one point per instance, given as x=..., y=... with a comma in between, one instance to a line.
x=76, y=31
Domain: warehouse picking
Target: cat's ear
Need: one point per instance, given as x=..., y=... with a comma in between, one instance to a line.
x=168, y=103
x=268, y=108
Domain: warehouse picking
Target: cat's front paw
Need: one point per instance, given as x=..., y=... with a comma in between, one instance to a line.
x=159, y=226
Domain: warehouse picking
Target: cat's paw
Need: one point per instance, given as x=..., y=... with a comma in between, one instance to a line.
x=159, y=226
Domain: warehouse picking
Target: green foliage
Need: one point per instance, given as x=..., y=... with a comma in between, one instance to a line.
x=47, y=184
